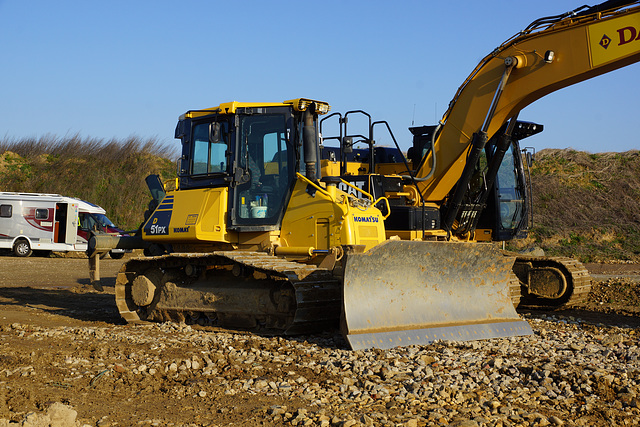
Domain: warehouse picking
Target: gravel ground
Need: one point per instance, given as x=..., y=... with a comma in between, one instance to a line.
x=67, y=360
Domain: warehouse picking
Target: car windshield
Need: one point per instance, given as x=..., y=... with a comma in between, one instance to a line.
x=90, y=221
x=103, y=220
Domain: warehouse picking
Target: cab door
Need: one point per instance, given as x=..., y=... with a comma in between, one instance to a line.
x=511, y=197
x=266, y=156
x=66, y=223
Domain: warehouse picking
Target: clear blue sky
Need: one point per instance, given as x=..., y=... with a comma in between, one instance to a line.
x=112, y=69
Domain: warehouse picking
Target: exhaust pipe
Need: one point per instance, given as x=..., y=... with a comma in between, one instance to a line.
x=106, y=242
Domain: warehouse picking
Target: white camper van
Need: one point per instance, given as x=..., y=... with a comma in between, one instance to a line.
x=50, y=222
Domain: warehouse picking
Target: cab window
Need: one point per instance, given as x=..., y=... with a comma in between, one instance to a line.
x=510, y=193
x=209, y=157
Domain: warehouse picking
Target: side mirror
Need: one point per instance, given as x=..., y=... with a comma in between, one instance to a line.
x=180, y=131
x=347, y=144
x=529, y=155
x=214, y=133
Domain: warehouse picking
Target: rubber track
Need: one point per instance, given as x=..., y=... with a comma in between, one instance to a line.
x=579, y=277
x=317, y=291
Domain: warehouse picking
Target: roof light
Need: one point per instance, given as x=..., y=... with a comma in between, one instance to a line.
x=301, y=104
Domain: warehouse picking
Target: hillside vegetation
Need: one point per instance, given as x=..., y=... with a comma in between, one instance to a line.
x=585, y=205
x=108, y=173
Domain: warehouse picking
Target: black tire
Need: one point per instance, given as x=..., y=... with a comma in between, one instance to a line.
x=22, y=248
x=117, y=255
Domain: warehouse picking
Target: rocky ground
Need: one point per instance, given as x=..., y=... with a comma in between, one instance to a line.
x=66, y=359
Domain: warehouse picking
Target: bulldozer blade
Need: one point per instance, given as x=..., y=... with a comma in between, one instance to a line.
x=402, y=293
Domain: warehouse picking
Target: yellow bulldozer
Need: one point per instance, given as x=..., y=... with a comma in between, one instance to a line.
x=271, y=229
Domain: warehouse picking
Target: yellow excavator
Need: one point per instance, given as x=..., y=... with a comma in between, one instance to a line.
x=270, y=229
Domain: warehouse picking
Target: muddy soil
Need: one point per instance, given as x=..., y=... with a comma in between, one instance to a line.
x=57, y=345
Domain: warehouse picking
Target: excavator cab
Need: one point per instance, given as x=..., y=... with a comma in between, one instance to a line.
x=506, y=204
x=508, y=212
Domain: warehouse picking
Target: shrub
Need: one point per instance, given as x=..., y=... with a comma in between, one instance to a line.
x=109, y=173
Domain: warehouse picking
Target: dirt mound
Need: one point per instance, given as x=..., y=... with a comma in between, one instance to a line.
x=616, y=295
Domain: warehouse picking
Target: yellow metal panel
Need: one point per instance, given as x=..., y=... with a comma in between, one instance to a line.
x=417, y=234
x=299, y=104
x=329, y=168
x=230, y=108
x=357, y=168
x=212, y=221
x=192, y=216
x=303, y=223
x=323, y=228
x=483, y=235
x=368, y=231
x=368, y=226
x=304, y=212
x=611, y=40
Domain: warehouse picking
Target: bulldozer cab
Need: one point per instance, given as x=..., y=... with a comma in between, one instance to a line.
x=254, y=151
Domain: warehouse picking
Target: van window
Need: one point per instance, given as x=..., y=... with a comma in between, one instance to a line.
x=42, y=213
x=5, y=211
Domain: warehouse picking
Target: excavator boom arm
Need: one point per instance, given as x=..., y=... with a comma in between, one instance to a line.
x=530, y=65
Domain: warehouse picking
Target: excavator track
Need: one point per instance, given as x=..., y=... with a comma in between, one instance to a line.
x=232, y=289
x=551, y=282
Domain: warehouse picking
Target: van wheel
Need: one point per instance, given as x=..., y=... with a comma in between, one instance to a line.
x=22, y=248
